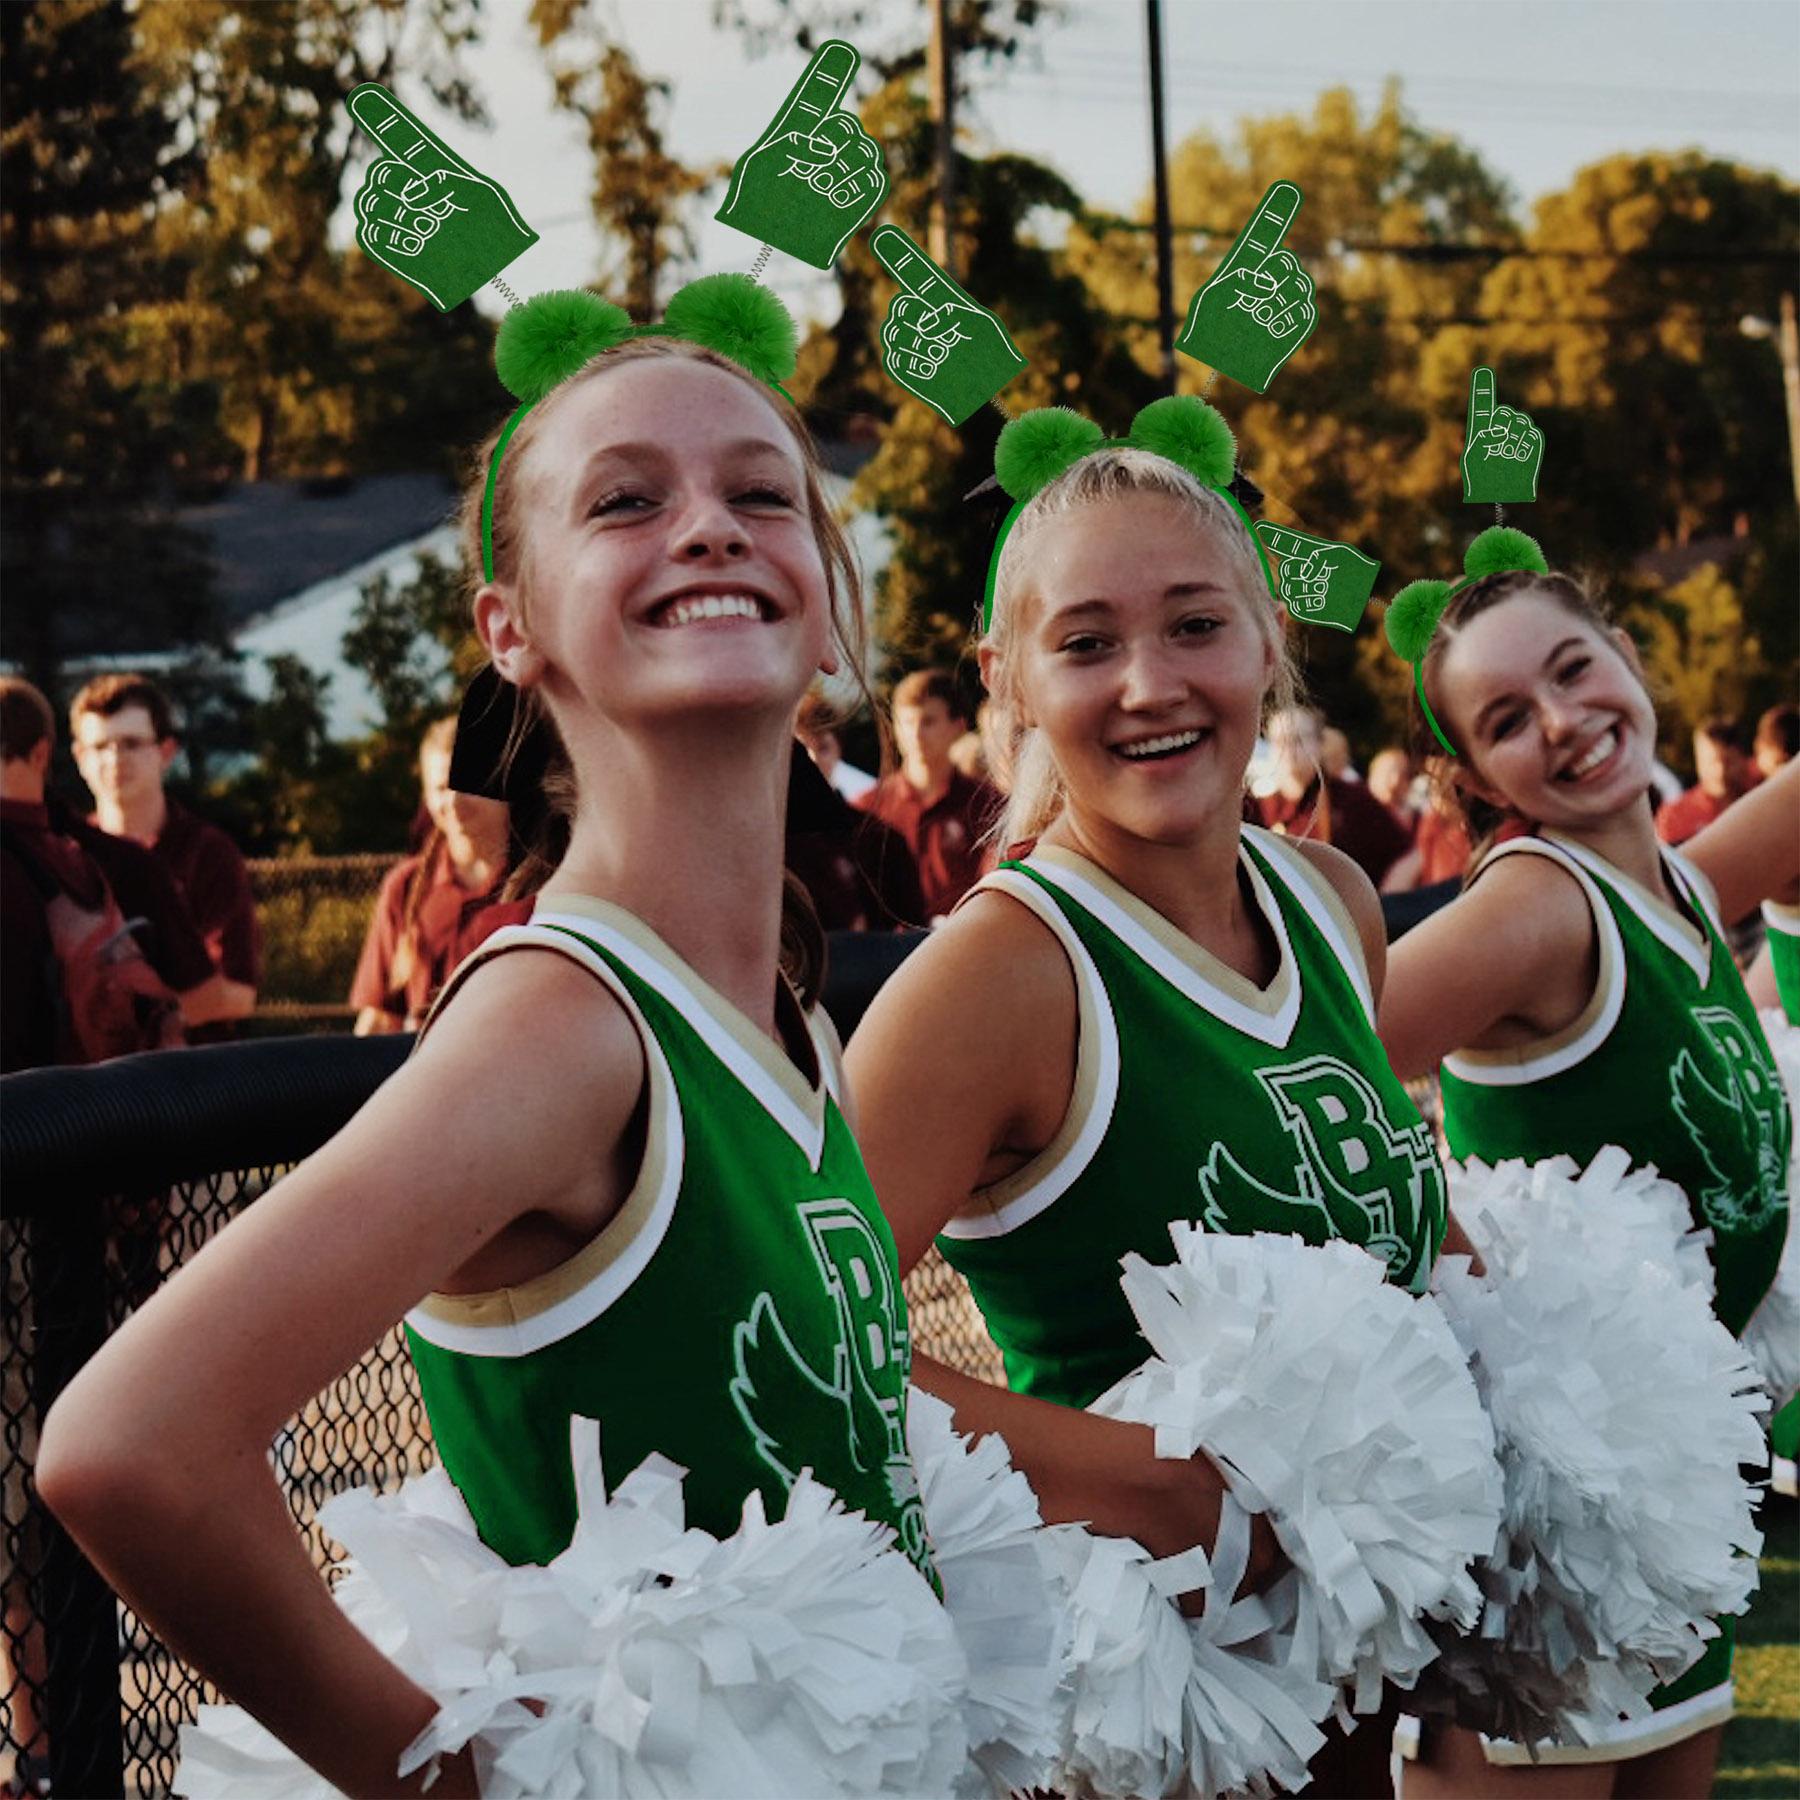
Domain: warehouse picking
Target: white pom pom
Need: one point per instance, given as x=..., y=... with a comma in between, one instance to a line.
x=1344, y=1409
x=1159, y=1704
x=1623, y=1409
x=1773, y=1335
x=799, y=1657
x=1609, y=1209
x=984, y=1524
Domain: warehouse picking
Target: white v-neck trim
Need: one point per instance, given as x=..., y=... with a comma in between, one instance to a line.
x=1661, y=920
x=759, y=1064
x=1267, y=1014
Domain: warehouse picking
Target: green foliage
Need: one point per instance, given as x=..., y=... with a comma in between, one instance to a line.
x=1700, y=651
x=311, y=943
x=308, y=794
x=641, y=193
x=316, y=361
x=86, y=438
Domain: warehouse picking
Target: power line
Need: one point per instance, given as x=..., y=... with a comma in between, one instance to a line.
x=1777, y=255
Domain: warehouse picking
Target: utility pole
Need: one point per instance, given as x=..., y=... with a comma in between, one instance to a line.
x=940, y=69
x=1789, y=343
x=1165, y=256
x=1785, y=332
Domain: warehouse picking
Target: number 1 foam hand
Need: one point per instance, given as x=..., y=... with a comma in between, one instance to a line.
x=422, y=212
x=936, y=342
x=1503, y=450
x=815, y=176
x=1258, y=308
x=1320, y=583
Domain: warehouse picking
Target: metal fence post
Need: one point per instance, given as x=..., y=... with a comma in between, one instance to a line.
x=80, y=1614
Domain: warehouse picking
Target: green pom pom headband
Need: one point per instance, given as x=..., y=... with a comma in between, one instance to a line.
x=556, y=335
x=1038, y=446
x=1413, y=613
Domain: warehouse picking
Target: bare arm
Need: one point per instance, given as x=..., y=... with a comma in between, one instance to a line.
x=963, y=1068
x=1751, y=852
x=1513, y=957
x=1404, y=875
x=1363, y=904
x=484, y=1125
x=217, y=999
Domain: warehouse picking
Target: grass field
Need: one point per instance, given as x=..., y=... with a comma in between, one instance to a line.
x=1761, y=1760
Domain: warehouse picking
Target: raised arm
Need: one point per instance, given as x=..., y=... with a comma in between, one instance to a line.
x=156, y=1457
x=1751, y=853
x=1511, y=960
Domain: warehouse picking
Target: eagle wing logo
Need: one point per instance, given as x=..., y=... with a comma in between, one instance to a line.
x=1736, y=1126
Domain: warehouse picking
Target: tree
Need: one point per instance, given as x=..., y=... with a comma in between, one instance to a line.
x=412, y=642
x=984, y=28
x=1619, y=333
x=85, y=163
x=317, y=360
x=640, y=191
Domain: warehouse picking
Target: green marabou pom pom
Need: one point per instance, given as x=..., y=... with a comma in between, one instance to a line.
x=1500, y=548
x=548, y=338
x=1037, y=446
x=1191, y=434
x=1412, y=617
x=734, y=316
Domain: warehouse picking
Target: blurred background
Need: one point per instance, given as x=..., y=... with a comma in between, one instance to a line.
x=231, y=441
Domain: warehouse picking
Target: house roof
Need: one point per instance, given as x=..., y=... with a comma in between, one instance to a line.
x=272, y=539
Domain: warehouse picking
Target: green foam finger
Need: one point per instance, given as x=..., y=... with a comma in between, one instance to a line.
x=1481, y=401
x=445, y=229
x=1321, y=582
x=1269, y=224
x=1256, y=309
x=398, y=133
x=818, y=93
x=913, y=269
x=815, y=176
x=1502, y=451
x=930, y=319
x=1284, y=540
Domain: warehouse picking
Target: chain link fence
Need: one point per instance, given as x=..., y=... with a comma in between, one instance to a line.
x=315, y=913
x=85, y=1687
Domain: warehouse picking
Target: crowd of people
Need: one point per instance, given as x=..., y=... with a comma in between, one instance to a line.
x=889, y=852
x=129, y=927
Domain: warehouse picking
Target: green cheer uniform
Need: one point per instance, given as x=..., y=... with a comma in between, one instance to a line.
x=1668, y=1061
x=1782, y=935
x=1198, y=1096
x=741, y=1314
x=1783, y=938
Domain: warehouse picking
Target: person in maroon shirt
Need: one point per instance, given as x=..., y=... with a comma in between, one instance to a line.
x=1308, y=803
x=426, y=915
x=124, y=741
x=857, y=870
x=41, y=841
x=1724, y=773
x=943, y=814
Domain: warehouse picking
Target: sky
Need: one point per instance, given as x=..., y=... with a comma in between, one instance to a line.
x=1539, y=87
